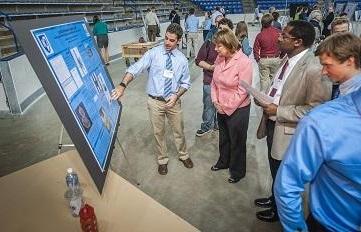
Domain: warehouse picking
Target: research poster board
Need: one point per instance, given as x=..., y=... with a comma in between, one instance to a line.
x=66, y=59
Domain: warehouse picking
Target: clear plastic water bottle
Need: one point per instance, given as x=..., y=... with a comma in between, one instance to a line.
x=71, y=179
x=74, y=192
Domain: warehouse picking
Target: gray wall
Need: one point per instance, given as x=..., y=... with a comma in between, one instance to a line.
x=25, y=80
x=20, y=84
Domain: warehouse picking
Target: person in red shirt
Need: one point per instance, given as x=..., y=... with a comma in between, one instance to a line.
x=232, y=103
x=266, y=51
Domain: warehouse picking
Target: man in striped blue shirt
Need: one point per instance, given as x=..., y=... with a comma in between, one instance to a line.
x=168, y=80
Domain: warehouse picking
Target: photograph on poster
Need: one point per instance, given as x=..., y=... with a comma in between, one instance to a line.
x=105, y=119
x=88, y=50
x=83, y=117
x=69, y=87
x=96, y=83
x=69, y=84
x=102, y=83
x=60, y=68
x=76, y=77
x=79, y=61
x=104, y=88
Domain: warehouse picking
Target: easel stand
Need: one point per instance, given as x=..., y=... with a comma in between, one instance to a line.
x=132, y=175
x=60, y=144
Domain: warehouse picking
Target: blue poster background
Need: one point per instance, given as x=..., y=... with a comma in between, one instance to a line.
x=77, y=68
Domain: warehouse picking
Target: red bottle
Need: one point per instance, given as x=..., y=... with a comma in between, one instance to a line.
x=88, y=220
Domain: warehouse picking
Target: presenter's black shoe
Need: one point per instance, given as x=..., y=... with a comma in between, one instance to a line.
x=162, y=169
x=187, y=163
x=215, y=168
x=264, y=202
x=233, y=180
x=268, y=215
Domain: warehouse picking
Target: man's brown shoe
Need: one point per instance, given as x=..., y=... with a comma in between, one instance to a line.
x=187, y=163
x=162, y=169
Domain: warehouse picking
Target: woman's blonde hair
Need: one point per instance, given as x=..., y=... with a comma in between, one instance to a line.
x=228, y=39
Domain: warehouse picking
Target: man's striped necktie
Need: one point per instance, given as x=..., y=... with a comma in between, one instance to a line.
x=168, y=81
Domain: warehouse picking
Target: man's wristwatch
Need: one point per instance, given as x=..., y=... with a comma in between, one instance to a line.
x=123, y=84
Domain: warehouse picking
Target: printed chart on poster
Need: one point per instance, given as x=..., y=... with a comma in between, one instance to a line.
x=77, y=68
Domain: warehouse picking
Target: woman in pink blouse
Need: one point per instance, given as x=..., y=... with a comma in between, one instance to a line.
x=232, y=103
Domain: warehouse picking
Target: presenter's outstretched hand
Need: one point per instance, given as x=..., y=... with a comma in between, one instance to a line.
x=117, y=93
x=171, y=101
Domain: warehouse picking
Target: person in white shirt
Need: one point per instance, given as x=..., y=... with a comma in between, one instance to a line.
x=216, y=13
x=152, y=23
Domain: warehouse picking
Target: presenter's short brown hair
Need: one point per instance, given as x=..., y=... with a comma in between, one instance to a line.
x=175, y=28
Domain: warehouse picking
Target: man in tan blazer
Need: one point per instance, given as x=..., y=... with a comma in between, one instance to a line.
x=298, y=86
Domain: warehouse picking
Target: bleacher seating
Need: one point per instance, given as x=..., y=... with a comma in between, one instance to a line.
x=231, y=7
x=118, y=14
x=264, y=5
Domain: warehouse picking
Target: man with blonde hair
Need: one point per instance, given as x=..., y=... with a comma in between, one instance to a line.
x=340, y=57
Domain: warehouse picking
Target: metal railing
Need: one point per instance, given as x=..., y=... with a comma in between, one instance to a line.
x=5, y=24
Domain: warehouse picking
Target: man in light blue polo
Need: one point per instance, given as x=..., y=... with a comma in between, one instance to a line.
x=191, y=27
x=168, y=80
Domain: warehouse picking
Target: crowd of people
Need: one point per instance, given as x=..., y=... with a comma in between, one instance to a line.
x=311, y=125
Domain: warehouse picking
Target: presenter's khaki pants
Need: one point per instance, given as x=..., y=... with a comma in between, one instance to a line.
x=157, y=115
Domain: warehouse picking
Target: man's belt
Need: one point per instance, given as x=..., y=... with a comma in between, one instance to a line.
x=157, y=98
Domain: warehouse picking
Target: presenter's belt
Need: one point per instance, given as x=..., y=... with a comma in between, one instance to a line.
x=157, y=98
